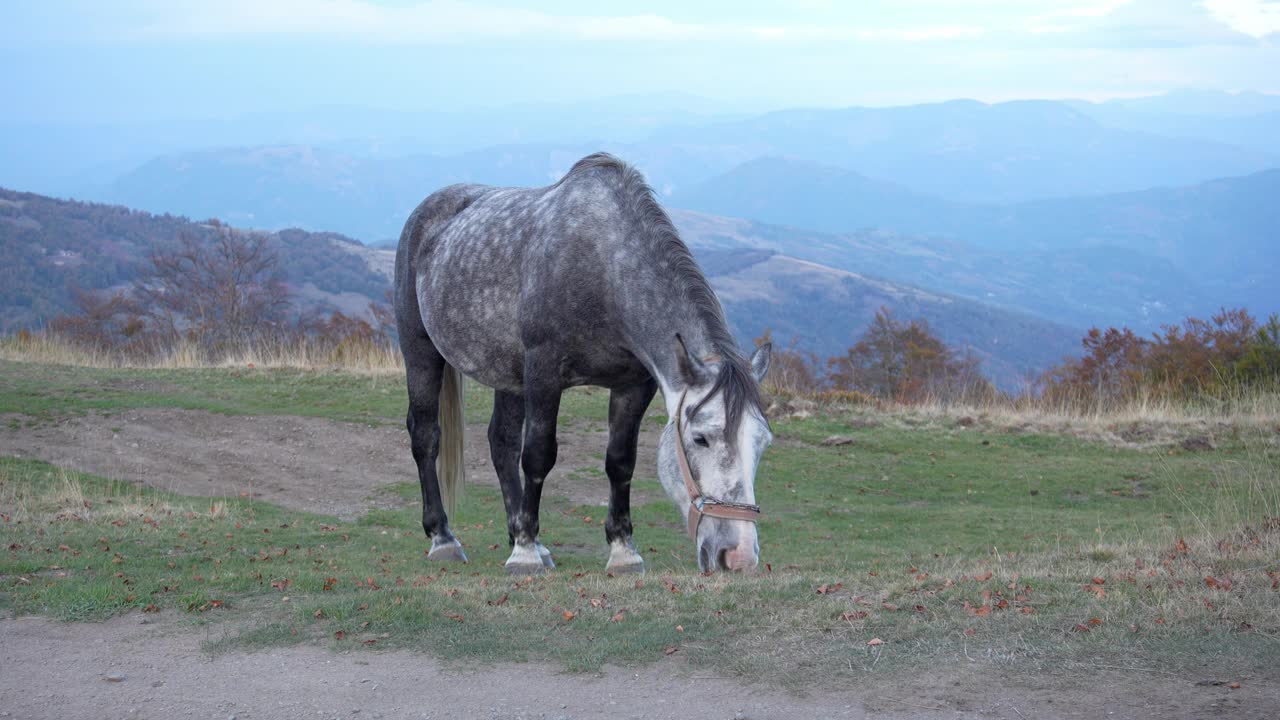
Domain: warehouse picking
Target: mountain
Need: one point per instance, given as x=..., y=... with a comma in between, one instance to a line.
x=787, y=191
x=1247, y=119
x=49, y=246
x=824, y=310
x=1061, y=286
x=962, y=152
x=1138, y=258
x=967, y=151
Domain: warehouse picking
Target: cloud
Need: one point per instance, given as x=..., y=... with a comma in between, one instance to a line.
x=446, y=21
x=1141, y=24
x=1255, y=18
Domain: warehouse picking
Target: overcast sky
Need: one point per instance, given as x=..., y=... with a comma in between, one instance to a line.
x=134, y=59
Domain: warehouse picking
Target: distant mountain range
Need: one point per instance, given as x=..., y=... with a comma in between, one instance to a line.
x=1137, y=257
x=50, y=246
x=960, y=151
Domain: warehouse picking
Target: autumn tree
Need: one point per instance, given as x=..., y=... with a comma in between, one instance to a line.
x=791, y=371
x=905, y=362
x=220, y=293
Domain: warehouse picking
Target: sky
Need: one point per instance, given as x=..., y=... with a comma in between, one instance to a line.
x=130, y=60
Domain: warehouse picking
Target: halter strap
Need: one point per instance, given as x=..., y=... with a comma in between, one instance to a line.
x=700, y=504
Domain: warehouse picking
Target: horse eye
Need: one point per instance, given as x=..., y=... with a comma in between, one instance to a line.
x=701, y=440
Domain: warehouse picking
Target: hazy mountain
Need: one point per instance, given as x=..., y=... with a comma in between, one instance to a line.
x=969, y=151
x=1062, y=285
x=959, y=152
x=1140, y=258
x=1248, y=120
x=787, y=191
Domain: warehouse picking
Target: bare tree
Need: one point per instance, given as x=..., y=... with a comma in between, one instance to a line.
x=220, y=293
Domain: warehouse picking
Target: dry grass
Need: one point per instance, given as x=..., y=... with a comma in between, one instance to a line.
x=1139, y=422
x=352, y=355
x=65, y=499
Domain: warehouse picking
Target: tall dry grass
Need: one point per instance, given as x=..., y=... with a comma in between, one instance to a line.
x=350, y=354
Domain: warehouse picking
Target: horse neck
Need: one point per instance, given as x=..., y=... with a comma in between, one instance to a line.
x=661, y=350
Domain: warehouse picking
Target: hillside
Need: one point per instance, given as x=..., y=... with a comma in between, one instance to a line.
x=48, y=247
x=51, y=245
x=824, y=310
x=1063, y=285
x=1139, y=258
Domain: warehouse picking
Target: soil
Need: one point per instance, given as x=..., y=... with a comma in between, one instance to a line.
x=139, y=666
x=302, y=463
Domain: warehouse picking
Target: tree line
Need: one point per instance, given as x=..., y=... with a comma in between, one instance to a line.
x=905, y=362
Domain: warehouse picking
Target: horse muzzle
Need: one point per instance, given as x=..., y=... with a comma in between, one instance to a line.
x=715, y=554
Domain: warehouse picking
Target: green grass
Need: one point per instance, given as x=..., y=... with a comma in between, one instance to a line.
x=944, y=543
x=48, y=391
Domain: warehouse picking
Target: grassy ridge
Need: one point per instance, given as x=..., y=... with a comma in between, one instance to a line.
x=941, y=541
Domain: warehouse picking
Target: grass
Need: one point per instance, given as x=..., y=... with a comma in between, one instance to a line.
x=946, y=543
x=49, y=391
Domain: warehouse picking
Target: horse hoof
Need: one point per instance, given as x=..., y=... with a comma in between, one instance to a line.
x=451, y=552
x=522, y=569
x=528, y=559
x=547, y=562
x=625, y=568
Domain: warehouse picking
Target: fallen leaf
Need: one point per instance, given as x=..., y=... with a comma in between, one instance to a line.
x=1234, y=686
x=849, y=615
x=618, y=616
x=874, y=642
x=340, y=635
x=319, y=613
x=670, y=649
x=1095, y=622
x=499, y=601
x=569, y=615
x=151, y=609
x=970, y=632
x=983, y=577
x=455, y=616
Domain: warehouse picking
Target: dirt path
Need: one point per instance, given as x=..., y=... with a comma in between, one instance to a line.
x=127, y=669
x=298, y=462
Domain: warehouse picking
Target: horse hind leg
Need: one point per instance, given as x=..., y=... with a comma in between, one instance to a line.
x=425, y=371
x=626, y=413
x=537, y=457
x=506, y=427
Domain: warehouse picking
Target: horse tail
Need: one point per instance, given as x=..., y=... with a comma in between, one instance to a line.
x=450, y=463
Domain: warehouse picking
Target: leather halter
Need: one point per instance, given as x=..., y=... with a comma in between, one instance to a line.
x=700, y=504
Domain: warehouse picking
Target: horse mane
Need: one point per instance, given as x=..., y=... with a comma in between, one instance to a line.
x=734, y=377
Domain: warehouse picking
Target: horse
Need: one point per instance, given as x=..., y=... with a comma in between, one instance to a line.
x=532, y=291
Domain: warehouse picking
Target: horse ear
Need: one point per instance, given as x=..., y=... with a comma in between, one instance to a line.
x=760, y=361
x=692, y=371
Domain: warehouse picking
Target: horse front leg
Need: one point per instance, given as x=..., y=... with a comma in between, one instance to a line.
x=537, y=457
x=626, y=414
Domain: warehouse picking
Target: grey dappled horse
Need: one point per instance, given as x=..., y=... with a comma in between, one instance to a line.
x=585, y=282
